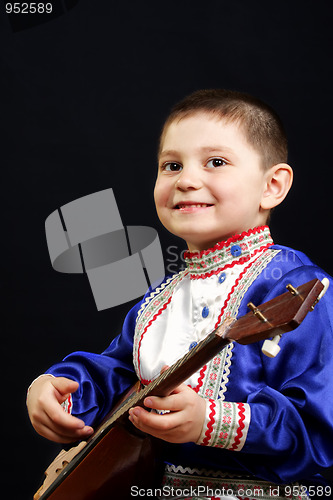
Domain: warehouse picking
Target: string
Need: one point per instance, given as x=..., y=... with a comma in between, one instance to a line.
x=135, y=398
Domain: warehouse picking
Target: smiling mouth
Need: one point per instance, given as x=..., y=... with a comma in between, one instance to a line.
x=191, y=206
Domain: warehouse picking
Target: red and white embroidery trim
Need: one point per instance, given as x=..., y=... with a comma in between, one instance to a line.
x=204, y=264
x=68, y=405
x=188, y=477
x=226, y=425
x=224, y=244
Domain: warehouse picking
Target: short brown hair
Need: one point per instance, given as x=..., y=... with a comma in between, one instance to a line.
x=262, y=126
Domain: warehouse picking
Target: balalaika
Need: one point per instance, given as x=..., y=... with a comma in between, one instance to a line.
x=117, y=456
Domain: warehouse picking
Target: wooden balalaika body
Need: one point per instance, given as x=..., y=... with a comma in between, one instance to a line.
x=118, y=456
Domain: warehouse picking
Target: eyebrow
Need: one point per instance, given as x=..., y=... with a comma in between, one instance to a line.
x=204, y=149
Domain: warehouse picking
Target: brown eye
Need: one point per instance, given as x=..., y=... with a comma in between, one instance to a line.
x=172, y=167
x=216, y=162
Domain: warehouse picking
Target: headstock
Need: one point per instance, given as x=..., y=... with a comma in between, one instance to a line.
x=277, y=316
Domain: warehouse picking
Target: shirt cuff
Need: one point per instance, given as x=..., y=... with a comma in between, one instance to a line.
x=68, y=405
x=226, y=425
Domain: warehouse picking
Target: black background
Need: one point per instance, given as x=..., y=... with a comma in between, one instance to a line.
x=83, y=97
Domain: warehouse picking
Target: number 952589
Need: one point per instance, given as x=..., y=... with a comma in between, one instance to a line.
x=28, y=8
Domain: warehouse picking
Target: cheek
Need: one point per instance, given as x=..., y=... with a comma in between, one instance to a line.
x=237, y=195
x=161, y=195
x=157, y=193
x=224, y=190
x=245, y=187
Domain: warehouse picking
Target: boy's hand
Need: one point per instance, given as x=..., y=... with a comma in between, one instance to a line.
x=47, y=415
x=184, y=422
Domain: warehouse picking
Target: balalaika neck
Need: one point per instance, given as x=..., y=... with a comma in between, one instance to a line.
x=174, y=375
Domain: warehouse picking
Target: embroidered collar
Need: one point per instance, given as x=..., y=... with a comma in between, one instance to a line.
x=236, y=250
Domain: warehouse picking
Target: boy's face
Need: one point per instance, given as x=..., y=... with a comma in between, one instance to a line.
x=210, y=181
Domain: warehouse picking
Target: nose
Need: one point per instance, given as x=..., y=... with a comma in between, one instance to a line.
x=189, y=179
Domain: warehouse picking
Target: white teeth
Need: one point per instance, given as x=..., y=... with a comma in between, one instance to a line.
x=197, y=205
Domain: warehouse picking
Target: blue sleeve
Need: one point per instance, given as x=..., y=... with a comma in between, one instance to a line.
x=292, y=410
x=102, y=377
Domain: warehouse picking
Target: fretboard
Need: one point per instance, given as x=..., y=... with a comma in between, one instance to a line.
x=173, y=376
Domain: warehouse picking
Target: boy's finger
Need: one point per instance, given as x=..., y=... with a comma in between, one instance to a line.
x=64, y=386
x=153, y=423
x=66, y=425
x=52, y=435
x=61, y=420
x=169, y=427
x=164, y=368
x=165, y=403
x=59, y=437
x=174, y=402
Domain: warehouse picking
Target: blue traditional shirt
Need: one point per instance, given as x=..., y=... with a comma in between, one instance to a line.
x=271, y=419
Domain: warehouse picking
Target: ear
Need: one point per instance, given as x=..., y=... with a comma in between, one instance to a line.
x=278, y=181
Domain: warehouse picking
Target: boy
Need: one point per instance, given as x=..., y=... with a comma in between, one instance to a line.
x=244, y=422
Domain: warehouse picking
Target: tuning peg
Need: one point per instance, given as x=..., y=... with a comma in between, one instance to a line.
x=271, y=348
x=326, y=284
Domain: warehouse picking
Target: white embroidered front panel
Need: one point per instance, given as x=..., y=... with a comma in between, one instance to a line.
x=183, y=312
x=149, y=311
x=174, y=320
